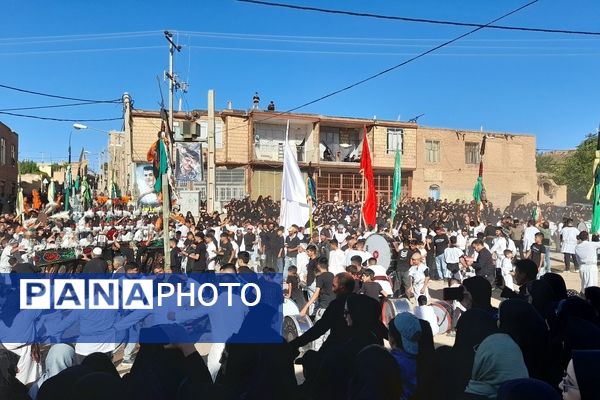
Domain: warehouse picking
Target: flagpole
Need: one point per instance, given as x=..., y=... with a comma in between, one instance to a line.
x=166, y=211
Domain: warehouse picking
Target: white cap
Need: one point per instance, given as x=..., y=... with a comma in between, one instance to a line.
x=97, y=251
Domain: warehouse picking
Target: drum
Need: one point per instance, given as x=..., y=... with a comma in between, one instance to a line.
x=294, y=326
x=290, y=308
x=392, y=307
x=443, y=313
x=382, y=249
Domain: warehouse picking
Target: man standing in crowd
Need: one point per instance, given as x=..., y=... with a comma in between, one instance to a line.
x=516, y=234
x=292, y=242
x=587, y=258
x=568, y=239
x=97, y=265
x=485, y=265
x=529, y=236
x=440, y=243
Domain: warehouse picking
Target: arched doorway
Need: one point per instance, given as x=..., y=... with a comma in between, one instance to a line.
x=434, y=192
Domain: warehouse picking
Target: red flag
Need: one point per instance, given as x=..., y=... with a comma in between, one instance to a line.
x=366, y=169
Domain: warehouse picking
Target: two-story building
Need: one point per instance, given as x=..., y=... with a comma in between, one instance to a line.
x=9, y=166
x=436, y=162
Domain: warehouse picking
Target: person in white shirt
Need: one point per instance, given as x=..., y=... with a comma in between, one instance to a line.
x=340, y=235
x=461, y=239
x=7, y=253
x=419, y=272
x=568, y=236
x=501, y=243
x=337, y=259
x=302, y=260
x=529, y=237
x=452, y=255
x=587, y=256
x=507, y=268
x=211, y=252
x=426, y=313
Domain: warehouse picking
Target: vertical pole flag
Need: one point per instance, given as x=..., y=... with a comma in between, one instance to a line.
x=366, y=169
x=479, y=191
x=294, y=206
x=397, y=182
x=594, y=193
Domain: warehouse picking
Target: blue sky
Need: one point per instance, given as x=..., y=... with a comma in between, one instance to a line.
x=543, y=84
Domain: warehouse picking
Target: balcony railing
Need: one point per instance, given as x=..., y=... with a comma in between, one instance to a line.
x=274, y=152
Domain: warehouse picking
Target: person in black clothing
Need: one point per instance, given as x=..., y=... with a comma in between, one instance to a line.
x=369, y=287
x=485, y=265
x=356, y=275
x=293, y=287
x=323, y=294
x=196, y=255
x=311, y=267
x=175, y=256
x=333, y=319
x=402, y=281
x=537, y=251
x=249, y=239
x=96, y=265
x=489, y=233
x=225, y=250
x=242, y=261
x=441, y=243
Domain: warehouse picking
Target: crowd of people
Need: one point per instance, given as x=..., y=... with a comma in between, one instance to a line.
x=542, y=341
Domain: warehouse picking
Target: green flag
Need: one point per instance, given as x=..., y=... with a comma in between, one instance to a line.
x=163, y=165
x=397, y=183
x=477, y=190
x=596, y=203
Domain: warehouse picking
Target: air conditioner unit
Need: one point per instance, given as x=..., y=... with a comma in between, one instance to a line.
x=186, y=130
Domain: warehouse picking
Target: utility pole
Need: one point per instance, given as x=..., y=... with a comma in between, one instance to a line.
x=172, y=86
x=210, y=163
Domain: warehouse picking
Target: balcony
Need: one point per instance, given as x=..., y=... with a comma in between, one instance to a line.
x=339, y=144
x=265, y=151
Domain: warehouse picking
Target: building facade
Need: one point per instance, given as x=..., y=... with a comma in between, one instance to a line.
x=9, y=166
x=436, y=162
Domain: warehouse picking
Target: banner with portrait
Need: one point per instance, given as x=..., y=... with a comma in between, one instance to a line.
x=188, y=165
x=144, y=179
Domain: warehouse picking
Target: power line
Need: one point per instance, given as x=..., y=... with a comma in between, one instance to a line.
x=79, y=50
x=420, y=20
x=423, y=54
x=60, y=119
x=51, y=106
x=54, y=96
x=88, y=35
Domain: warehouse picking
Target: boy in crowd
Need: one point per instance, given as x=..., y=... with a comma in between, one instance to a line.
x=324, y=288
x=370, y=287
x=293, y=287
x=426, y=313
x=508, y=268
x=537, y=252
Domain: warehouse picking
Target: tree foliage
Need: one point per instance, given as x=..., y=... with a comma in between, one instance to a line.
x=573, y=170
x=28, y=167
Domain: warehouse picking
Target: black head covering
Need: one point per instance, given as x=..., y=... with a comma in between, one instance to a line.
x=527, y=389
x=472, y=328
x=98, y=386
x=576, y=307
x=581, y=334
x=57, y=387
x=481, y=292
x=376, y=375
x=191, y=390
x=10, y=387
x=543, y=297
x=557, y=283
x=100, y=362
x=592, y=295
x=586, y=364
x=528, y=329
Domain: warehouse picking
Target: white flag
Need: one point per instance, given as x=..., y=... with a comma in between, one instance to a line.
x=294, y=207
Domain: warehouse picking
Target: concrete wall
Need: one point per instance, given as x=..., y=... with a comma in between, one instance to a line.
x=9, y=166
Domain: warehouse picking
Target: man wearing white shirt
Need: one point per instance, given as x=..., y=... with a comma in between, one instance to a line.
x=587, y=256
x=336, y=258
x=461, y=239
x=302, y=261
x=529, y=236
x=568, y=236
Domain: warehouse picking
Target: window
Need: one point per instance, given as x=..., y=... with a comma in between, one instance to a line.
x=13, y=155
x=395, y=140
x=2, y=151
x=432, y=151
x=471, y=153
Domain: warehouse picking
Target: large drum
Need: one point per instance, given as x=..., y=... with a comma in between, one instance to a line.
x=382, y=248
x=294, y=326
x=443, y=313
x=290, y=307
x=392, y=307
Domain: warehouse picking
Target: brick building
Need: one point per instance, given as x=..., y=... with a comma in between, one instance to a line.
x=9, y=150
x=436, y=162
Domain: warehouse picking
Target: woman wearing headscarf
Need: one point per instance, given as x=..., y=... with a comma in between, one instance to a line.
x=365, y=328
x=557, y=283
x=452, y=366
x=10, y=387
x=526, y=327
x=479, y=295
x=581, y=381
x=375, y=376
x=592, y=295
x=497, y=359
x=60, y=357
x=527, y=389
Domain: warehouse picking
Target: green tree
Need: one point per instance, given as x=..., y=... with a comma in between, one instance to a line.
x=546, y=163
x=28, y=167
x=576, y=170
